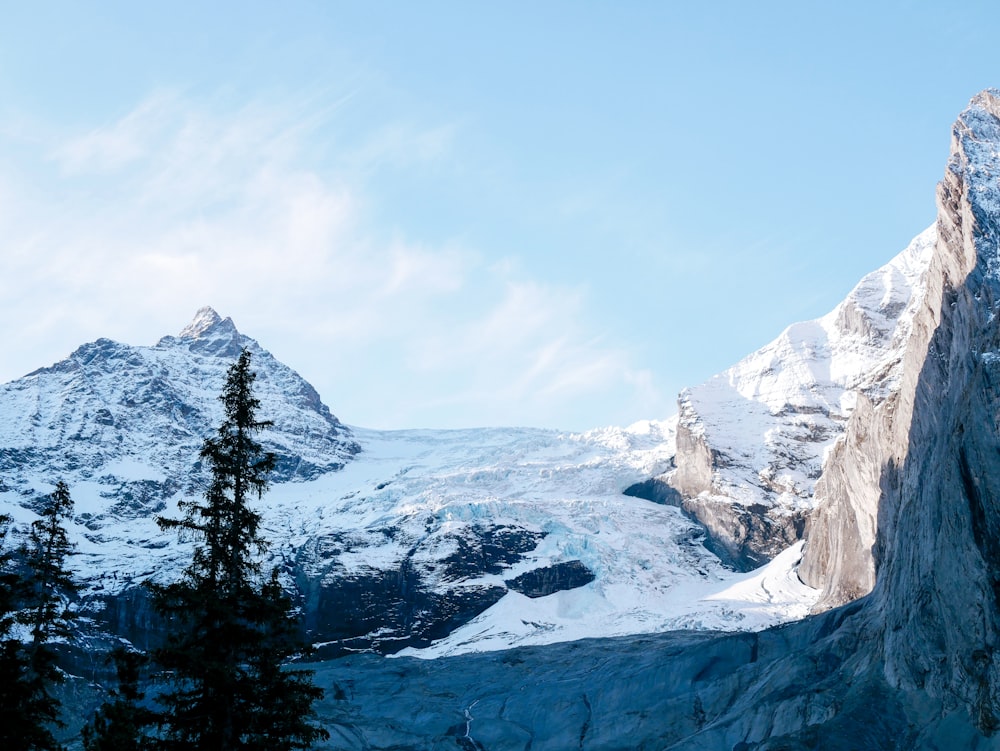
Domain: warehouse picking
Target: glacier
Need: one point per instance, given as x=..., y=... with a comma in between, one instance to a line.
x=411, y=540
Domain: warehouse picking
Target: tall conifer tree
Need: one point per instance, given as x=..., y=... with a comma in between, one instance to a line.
x=13, y=658
x=122, y=722
x=40, y=594
x=230, y=628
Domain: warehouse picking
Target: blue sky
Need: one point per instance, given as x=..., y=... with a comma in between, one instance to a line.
x=461, y=214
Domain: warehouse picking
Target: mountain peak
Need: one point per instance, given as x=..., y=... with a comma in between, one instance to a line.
x=204, y=321
x=986, y=99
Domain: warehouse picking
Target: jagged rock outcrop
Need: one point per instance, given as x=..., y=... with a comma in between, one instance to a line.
x=948, y=351
x=541, y=582
x=754, y=442
x=924, y=643
x=938, y=549
x=841, y=531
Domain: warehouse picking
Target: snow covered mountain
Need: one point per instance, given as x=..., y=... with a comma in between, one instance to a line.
x=913, y=665
x=132, y=419
x=451, y=541
x=753, y=442
x=877, y=422
x=472, y=539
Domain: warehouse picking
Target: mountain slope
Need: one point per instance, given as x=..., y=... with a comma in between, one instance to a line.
x=134, y=418
x=752, y=442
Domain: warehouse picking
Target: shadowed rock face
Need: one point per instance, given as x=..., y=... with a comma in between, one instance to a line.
x=939, y=520
x=556, y=578
x=743, y=537
x=420, y=600
x=812, y=685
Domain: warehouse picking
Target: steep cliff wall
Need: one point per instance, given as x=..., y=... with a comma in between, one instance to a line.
x=919, y=474
x=942, y=367
x=938, y=552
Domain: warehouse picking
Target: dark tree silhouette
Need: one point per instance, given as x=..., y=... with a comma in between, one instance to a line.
x=123, y=721
x=35, y=594
x=231, y=631
x=13, y=658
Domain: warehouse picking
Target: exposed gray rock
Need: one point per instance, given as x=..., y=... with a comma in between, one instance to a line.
x=558, y=577
x=655, y=489
x=425, y=597
x=754, y=441
x=939, y=519
x=745, y=537
x=812, y=685
x=841, y=531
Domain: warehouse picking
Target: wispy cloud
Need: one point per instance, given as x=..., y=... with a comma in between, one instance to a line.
x=180, y=203
x=122, y=142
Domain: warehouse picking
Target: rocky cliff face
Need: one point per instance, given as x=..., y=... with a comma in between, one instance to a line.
x=945, y=366
x=919, y=473
x=754, y=442
x=924, y=464
x=939, y=521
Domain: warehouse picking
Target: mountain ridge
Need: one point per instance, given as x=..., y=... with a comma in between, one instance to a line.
x=753, y=441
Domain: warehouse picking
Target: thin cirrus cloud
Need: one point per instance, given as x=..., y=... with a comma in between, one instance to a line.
x=133, y=225
x=527, y=351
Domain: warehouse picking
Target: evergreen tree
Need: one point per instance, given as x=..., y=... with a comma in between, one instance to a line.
x=9, y=582
x=50, y=584
x=40, y=597
x=13, y=658
x=121, y=722
x=230, y=632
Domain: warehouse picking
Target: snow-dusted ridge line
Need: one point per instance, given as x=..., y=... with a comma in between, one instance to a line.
x=773, y=416
x=753, y=441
